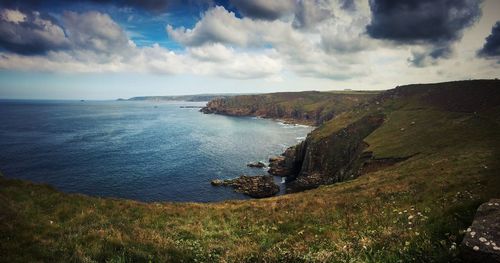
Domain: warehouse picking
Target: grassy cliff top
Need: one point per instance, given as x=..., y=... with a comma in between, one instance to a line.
x=412, y=211
x=308, y=100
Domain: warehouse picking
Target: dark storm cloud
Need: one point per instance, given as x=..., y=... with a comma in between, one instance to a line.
x=492, y=46
x=264, y=9
x=30, y=32
x=159, y=6
x=434, y=22
x=154, y=6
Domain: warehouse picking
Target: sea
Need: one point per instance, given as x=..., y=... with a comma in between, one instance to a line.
x=141, y=150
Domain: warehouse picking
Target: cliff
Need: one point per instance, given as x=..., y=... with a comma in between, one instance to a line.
x=309, y=107
x=334, y=158
x=337, y=150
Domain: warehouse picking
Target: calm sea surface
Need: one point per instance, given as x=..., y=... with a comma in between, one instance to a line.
x=138, y=150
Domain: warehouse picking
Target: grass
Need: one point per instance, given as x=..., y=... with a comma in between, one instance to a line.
x=413, y=211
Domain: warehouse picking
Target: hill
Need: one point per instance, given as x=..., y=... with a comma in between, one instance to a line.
x=192, y=98
x=410, y=166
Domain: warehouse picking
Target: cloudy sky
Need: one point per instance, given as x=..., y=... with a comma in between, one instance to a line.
x=105, y=49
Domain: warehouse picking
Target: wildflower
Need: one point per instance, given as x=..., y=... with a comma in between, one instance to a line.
x=453, y=246
x=482, y=239
x=410, y=217
x=417, y=234
x=472, y=234
x=476, y=248
x=469, y=229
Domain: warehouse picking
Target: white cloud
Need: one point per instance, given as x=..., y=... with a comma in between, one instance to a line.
x=221, y=26
x=314, y=49
x=12, y=16
x=310, y=13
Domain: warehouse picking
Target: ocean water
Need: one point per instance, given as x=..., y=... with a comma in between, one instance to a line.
x=147, y=151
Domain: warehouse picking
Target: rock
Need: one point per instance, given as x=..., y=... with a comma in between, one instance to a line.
x=257, y=165
x=482, y=242
x=278, y=166
x=217, y=182
x=254, y=186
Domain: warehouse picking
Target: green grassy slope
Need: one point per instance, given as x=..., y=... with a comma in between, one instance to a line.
x=412, y=211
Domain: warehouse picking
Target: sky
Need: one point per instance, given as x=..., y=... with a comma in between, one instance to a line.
x=108, y=49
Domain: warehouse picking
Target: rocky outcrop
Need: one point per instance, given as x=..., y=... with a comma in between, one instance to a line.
x=277, y=166
x=481, y=242
x=256, y=165
x=310, y=107
x=335, y=158
x=254, y=186
x=287, y=164
x=225, y=106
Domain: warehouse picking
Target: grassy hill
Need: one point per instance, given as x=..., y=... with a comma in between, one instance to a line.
x=412, y=210
x=191, y=98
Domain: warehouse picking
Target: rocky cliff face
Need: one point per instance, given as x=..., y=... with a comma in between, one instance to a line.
x=223, y=106
x=332, y=159
x=311, y=107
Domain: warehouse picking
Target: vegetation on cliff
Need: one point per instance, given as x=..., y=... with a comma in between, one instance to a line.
x=444, y=138
x=308, y=107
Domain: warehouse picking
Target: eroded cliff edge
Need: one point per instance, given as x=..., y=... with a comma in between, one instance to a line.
x=336, y=157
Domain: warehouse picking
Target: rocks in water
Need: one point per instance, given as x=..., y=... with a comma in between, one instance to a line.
x=257, y=165
x=278, y=166
x=217, y=182
x=482, y=240
x=254, y=186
